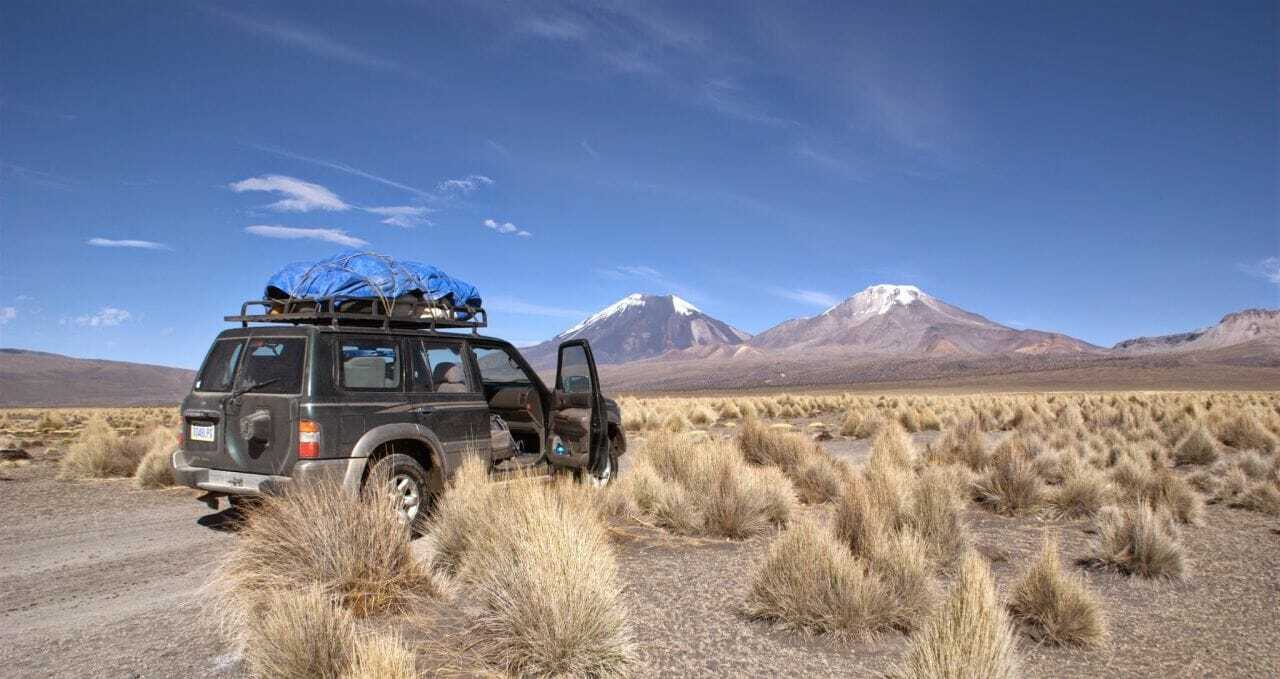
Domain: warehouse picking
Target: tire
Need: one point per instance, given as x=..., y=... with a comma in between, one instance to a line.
x=406, y=482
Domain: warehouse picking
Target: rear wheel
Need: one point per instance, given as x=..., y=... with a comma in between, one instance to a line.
x=404, y=482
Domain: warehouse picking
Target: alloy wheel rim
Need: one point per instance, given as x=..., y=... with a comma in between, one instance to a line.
x=406, y=497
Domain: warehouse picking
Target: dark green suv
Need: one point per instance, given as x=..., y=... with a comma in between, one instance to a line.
x=291, y=397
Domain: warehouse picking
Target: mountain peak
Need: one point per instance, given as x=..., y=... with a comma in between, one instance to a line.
x=879, y=299
x=643, y=325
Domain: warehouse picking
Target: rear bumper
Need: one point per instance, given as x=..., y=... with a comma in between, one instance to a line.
x=344, y=471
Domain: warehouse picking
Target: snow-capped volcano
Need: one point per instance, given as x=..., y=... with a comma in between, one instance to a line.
x=642, y=326
x=903, y=319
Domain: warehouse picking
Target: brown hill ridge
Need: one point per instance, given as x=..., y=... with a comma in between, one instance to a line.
x=36, y=378
x=1236, y=328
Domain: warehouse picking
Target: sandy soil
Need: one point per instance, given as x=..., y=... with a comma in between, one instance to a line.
x=100, y=579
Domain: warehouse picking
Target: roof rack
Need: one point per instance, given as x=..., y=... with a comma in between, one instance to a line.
x=338, y=310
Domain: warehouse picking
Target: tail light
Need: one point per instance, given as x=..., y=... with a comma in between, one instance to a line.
x=308, y=439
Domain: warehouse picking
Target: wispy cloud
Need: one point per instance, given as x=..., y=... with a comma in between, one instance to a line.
x=348, y=169
x=127, y=243
x=826, y=161
x=653, y=280
x=108, y=317
x=626, y=271
x=293, y=233
x=48, y=179
x=506, y=227
x=1268, y=269
x=554, y=28
x=591, y=151
x=497, y=147
x=300, y=196
x=463, y=185
x=303, y=38
x=808, y=297
x=7, y=313
x=511, y=305
x=730, y=98
x=405, y=216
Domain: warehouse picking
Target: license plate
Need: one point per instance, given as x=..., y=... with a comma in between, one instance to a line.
x=202, y=432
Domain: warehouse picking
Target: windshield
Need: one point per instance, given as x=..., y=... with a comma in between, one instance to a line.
x=275, y=363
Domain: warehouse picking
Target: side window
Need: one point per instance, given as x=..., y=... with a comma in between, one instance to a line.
x=370, y=363
x=438, y=366
x=498, y=367
x=219, y=371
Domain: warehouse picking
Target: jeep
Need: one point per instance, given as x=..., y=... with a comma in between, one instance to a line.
x=290, y=398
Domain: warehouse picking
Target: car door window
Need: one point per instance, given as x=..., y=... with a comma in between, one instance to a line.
x=370, y=363
x=438, y=367
x=497, y=367
x=575, y=371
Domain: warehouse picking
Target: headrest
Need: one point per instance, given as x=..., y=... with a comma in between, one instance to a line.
x=447, y=373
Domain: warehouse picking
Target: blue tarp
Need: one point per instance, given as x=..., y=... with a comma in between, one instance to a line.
x=366, y=275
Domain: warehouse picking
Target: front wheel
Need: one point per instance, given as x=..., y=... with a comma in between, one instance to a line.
x=404, y=483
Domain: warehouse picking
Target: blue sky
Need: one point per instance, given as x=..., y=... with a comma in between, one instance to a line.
x=1095, y=170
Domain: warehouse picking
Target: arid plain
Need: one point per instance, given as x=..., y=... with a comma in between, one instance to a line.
x=1046, y=534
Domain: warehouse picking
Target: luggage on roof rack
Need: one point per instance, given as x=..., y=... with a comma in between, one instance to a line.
x=366, y=288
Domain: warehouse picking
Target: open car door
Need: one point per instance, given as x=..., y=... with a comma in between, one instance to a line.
x=579, y=426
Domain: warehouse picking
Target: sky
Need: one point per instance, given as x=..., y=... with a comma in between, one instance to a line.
x=1100, y=170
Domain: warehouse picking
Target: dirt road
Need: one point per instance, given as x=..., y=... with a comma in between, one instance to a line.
x=103, y=580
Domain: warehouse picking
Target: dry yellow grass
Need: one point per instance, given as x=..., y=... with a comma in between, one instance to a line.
x=813, y=584
x=297, y=634
x=545, y=578
x=156, y=468
x=1139, y=541
x=1056, y=606
x=381, y=656
x=101, y=453
x=968, y=637
x=353, y=548
x=705, y=487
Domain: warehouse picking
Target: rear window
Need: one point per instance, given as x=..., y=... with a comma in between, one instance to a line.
x=275, y=364
x=219, y=371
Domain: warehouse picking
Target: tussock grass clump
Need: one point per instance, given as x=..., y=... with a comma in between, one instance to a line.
x=1056, y=606
x=352, y=547
x=860, y=425
x=1197, y=447
x=380, y=656
x=546, y=581
x=458, y=515
x=707, y=488
x=156, y=468
x=811, y=583
x=298, y=634
x=1243, y=432
x=968, y=637
x=1082, y=494
x=101, y=453
x=891, y=445
x=702, y=416
x=963, y=444
x=1010, y=485
x=1260, y=496
x=1139, y=541
x=816, y=477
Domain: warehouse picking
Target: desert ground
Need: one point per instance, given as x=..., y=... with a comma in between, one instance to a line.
x=793, y=534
